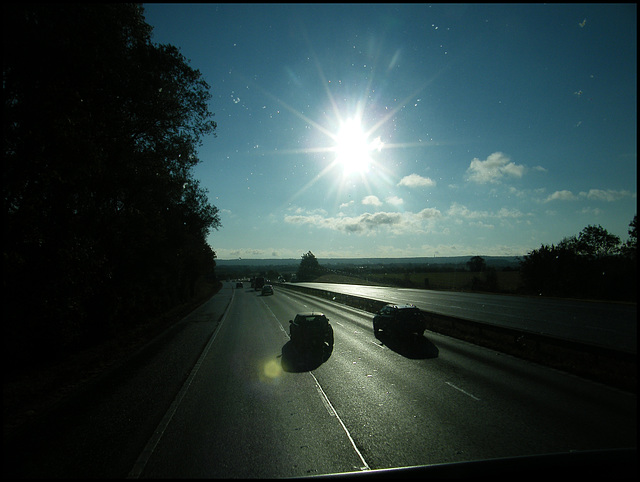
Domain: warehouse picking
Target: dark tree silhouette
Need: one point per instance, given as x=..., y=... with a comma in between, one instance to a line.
x=104, y=225
x=309, y=268
x=630, y=248
x=593, y=264
x=476, y=264
x=596, y=242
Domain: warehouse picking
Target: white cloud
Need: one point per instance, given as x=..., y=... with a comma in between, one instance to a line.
x=372, y=201
x=513, y=170
x=509, y=213
x=304, y=219
x=415, y=180
x=226, y=212
x=394, y=200
x=493, y=169
x=460, y=211
x=371, y=223
x=609, y=195
x=481, y=224
x=563, y=195
x=429, y=213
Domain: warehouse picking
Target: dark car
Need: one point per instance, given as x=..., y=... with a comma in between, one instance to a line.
x=313, y=333
x=267, y=290
x=239, y=284
x=399, y=319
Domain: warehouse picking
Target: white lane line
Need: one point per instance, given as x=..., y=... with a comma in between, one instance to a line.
x=332, y=411
x=325, y=401
x=144, y=457
x=277, y=321
x=461, y=390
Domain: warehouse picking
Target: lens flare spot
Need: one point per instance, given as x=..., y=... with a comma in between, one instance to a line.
x=272, y=369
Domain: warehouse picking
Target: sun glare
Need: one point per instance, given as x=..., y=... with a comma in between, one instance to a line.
x=352, y=145
x=353, y=148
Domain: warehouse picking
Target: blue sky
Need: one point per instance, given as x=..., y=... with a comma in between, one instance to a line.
x=412, y=130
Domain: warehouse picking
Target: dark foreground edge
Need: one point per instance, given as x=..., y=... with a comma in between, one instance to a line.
x=594, y=465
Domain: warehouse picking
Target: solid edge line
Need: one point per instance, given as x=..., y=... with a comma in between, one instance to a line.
x=365, y=466
x=144, y=457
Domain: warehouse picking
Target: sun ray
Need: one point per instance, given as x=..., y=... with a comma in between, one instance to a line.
x=354, y=158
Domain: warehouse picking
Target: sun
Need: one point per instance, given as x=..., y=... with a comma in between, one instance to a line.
x=353, y=148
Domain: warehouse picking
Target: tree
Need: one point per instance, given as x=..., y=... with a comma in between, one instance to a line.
x=103, y=222
x=596, y=242
x=476, y=264
x=591, y=264
x=630, y=247
x=551, y=270
x=309, y=268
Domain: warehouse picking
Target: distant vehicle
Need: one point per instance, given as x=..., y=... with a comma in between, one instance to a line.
x=239, y=284
x=267, y=290
x=258, y=283
x=312, y=333
x=399, y=319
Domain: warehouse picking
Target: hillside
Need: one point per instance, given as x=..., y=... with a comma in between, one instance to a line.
x=496, y=261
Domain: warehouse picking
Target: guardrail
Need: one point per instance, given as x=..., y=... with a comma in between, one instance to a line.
x=596, y=363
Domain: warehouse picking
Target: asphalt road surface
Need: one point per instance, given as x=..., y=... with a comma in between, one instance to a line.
x=372, y=405
x=223, y=397
x=610, y=325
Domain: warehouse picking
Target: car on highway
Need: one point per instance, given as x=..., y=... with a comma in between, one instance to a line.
x=399, y=319
x=239, y=284
x=312, y=333
x=267, y=290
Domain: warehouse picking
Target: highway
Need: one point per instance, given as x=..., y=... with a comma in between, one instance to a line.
x=610, y=325
x=213, y=399
x=371, y=405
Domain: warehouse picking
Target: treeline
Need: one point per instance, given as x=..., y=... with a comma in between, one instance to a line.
x=104, y=225
x=594, y=264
